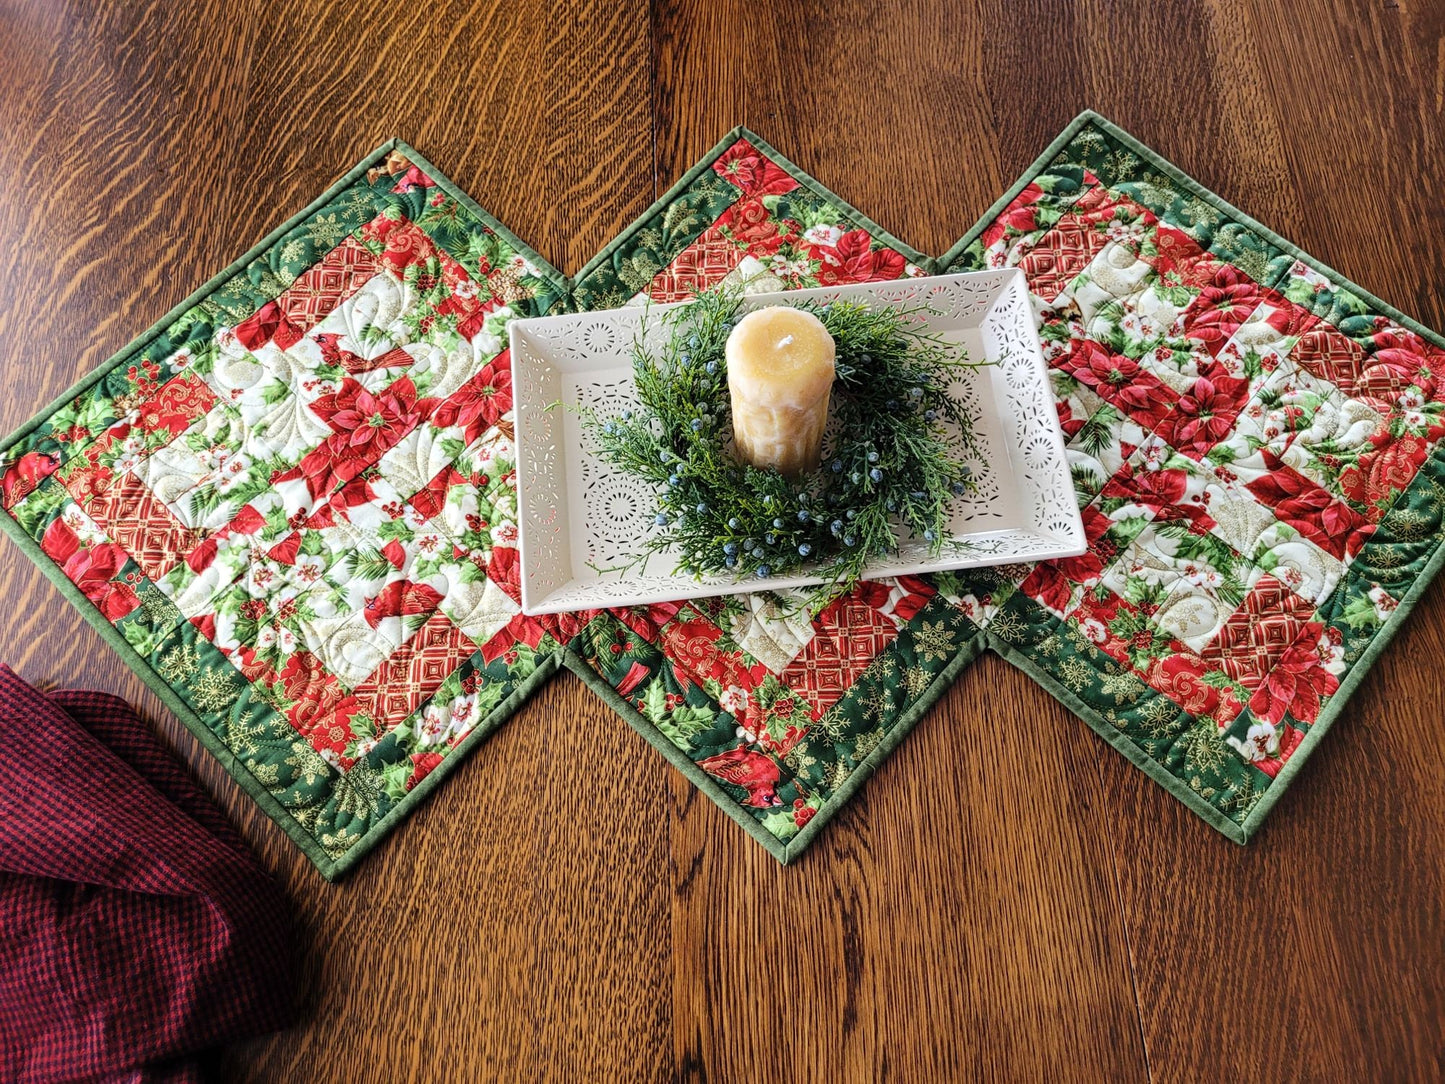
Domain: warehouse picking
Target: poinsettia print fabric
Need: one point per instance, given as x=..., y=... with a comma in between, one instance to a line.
x=295, y=502
x=777, y=706
x=1248, y=438
x=1254, y=447
x=747, y=220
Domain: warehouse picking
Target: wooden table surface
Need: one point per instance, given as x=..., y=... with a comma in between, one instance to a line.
x=1008, y=898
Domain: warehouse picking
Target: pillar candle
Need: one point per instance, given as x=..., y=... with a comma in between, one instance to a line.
x=780, y=373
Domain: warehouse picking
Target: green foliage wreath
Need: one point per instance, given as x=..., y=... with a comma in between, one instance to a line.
x=892, y=461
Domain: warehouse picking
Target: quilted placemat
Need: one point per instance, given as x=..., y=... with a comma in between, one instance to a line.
x=290, y=505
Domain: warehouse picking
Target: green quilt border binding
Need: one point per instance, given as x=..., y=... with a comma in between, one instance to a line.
x=554, y=276
x=802, y=176
x=784, y=852
x=1238, y=832
x=331, y=868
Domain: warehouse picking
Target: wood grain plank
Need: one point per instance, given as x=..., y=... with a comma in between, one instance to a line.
x=958, y=902
x=1329, y=133
x=896, y=946
x=884, y=104
x=113, y=215
x=515, y=946
x=1008, y=898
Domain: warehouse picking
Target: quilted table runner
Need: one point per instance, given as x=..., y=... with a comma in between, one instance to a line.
x=290, y=505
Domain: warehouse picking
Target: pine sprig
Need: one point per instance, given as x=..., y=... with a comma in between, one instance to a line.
x=890, y=461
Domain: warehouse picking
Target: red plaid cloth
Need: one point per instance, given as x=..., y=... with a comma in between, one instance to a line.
x=136, y=929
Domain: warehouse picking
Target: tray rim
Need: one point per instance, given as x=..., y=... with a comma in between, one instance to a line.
x=688, y=588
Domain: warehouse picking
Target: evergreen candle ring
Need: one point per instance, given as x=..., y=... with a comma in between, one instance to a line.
x=893, y=458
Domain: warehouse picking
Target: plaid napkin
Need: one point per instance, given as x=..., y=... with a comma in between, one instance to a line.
x=137, y=928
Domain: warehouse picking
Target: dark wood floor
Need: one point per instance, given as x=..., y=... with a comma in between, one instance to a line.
x=1008, y=898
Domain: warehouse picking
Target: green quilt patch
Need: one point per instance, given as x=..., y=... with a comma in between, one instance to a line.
x=291, y=504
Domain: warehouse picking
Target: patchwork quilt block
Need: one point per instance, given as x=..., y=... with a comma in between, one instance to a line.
x=291, y=504
x=1255, y=447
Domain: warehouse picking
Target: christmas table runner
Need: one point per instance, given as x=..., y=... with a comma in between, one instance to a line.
x=290, y=505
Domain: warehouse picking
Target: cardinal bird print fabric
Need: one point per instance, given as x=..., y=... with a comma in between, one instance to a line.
x=291, y=505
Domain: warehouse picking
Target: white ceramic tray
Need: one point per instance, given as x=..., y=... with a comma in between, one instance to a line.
x=578, y=515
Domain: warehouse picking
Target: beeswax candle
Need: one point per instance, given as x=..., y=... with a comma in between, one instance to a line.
x=780, y=363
